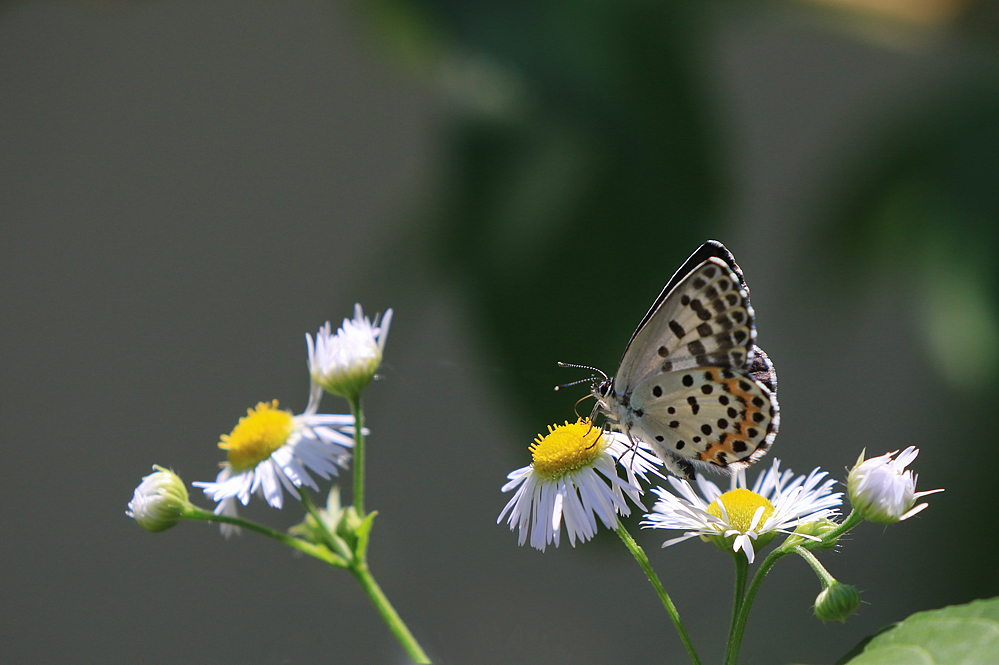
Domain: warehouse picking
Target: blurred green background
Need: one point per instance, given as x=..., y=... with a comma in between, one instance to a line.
x=188, y=187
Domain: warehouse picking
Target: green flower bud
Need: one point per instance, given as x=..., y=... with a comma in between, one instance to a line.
x=836, y=602
x=819, y=529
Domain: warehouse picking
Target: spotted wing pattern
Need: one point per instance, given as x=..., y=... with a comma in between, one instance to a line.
x=706, y=321
x=713, y=415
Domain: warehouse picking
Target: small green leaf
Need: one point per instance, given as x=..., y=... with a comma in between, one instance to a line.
x=363, y=534
x=955, y=635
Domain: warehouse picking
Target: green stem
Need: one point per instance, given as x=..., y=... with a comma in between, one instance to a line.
x=823, y=574
x=355, y=408
x=739, y=624
x=321, y=553
x=643, y=561
x=358, y=568
x=391, y=617
x=852, y=520
x=739, y=596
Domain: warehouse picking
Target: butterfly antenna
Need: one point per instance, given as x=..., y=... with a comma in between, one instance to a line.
x=575, y=383
x=591, y=379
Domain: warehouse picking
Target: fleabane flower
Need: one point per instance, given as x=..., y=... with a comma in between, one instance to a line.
x=745, y=519
x=270, y=449
x=159, y=501
x=881, y=489
x=574, y=478
x=344, y=363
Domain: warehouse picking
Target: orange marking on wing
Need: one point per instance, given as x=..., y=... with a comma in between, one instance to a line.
x=746, y=408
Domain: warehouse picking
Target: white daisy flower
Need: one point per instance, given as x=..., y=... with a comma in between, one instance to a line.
x=344, y=363
x=159, y=501
x=574, y=477
x=882, y=490
x=270, y=448
x=778, y=503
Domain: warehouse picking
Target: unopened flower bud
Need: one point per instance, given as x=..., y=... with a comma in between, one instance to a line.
x=882, y=491
x=818, y=529
x=836, y=602
x=344, y=363
x=159, y=501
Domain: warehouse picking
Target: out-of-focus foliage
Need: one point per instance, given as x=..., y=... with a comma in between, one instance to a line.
x=925, y=208
x=579, y=173
x=583, y=168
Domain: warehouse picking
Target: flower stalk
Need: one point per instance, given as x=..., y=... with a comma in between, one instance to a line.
x=355, y=408
x=320, y=552
x=384, y=607
x=742, y=615
x=643, y=561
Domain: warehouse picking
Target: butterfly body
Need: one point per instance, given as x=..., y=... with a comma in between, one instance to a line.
x=692, y=383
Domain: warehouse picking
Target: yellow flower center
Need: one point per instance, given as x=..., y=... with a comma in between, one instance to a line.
x=567, y=448
x=741, y=505
x=263, y=430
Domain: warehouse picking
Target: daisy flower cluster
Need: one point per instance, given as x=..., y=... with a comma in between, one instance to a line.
x=575, y=479
x=271, y=451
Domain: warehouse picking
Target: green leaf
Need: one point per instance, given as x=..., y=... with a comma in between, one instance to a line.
x=955, y=635
x=363, y=534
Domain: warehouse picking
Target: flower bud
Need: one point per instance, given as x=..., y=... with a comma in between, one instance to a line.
x=819, y=528
x=345, y=363
x=159, y=501
x=836, y=602
x=882, y=491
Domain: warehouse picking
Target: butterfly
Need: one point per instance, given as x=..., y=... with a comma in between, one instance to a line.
x=692, y=383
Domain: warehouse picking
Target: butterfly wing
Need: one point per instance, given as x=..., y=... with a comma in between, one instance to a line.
x=692, y=382
x=704, y=321
x=711, y=248
x=712, y=415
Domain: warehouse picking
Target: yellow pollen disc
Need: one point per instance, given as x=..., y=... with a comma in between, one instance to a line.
x=566, y=448
x=263, y=430
x=741, y=505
